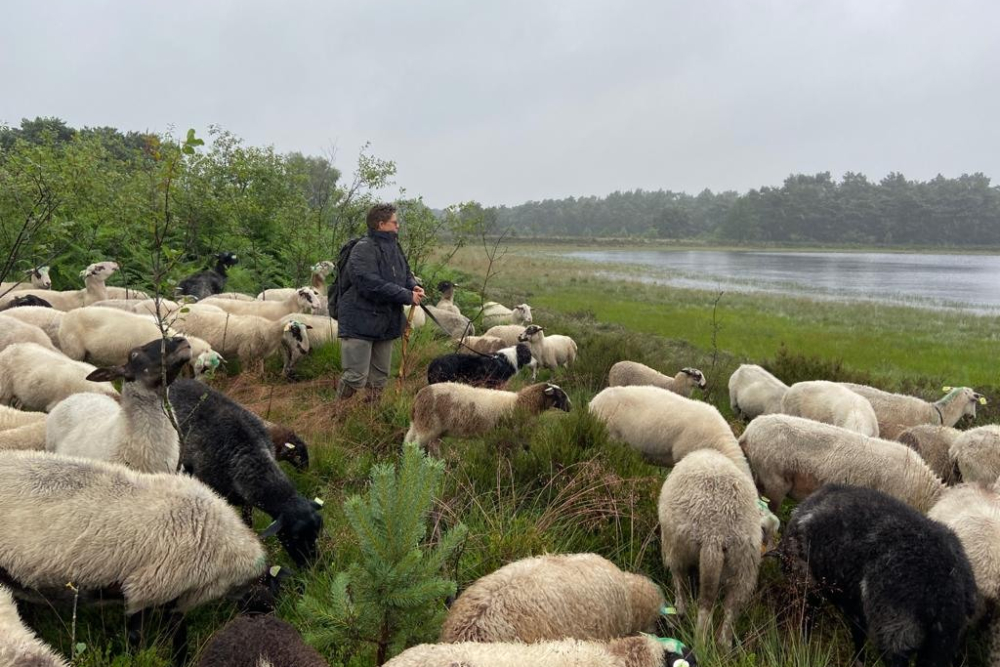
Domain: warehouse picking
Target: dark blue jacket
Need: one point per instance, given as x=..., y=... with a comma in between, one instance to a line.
x=380, y=284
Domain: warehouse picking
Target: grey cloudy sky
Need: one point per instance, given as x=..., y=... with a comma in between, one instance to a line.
x=530, y=99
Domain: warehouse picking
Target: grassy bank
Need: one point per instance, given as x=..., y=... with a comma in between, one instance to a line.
x=557, y=484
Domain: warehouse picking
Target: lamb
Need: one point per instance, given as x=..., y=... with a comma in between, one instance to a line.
x=302, y=300
x=13, y=331
x=228, y=448
x=46, y=319
x=38, y=277
x=627, y=652
x=320, y=271
x=288, y=446
x=27, y=300
x=663, y=426
x=19, y=647
x=485, y=371
x=251, y=641
x=898, y=412
x=508, y=333
x=38, y=378
x=976, y=454
x=527, y=601
x=754, y=392
x=93, y=277
x=174, y=542
x=457, y=409
x=551, y=352
x=932, y=443
x=447, y=301
x=794, y=456
x=625, y=373
x=481, y=345
x=711, y=521
x=138, y=433
x=900, y=579
x=451, y=324
x=496, y=314
x=245, y=336
x=322, y=329
x=211, y=281
x=830, y=403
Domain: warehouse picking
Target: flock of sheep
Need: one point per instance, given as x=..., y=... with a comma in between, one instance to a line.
x=91, y=495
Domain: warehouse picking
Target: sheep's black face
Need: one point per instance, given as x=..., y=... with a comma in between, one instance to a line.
x=149, y=363
x=227, y=259
x=558, y=397
x=293, y=450
x=697, y=376
x=523, y=355
x=530, y=331
x=299, y=533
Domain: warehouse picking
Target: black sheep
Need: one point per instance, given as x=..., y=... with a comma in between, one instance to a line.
x=26, y=300
x=901, y=579
x=228, y=448
x=211, y=281
x=490, y=371
x=250, y=641
x=288, y=446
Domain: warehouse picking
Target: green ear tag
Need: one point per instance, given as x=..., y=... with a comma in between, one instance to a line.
x=668, y=611
x=672, y=645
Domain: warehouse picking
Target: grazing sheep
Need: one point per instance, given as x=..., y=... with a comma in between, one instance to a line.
x=168, y=539
x=898, y=412
x=711, y=524
x=508, y=333
x=317, y=281
x=13, y=331
x=447, y=301
x=29, y=436
x=663, y=426
x=19, y=647
x=288, y=446
x=643, y=651
x=900, y=579
x=932, y=443
x=227, y=447
x=302, y=300
x=794, y=456
x=976, y=454
x=632, y=373
x=136, y=433
x=38, y=277
x=23, y=301
x=211, y=281
x=449, y=324
x=497, y=314
x=482, y=371
x=93, y=277
x=245, y=336
x=45, y=318
x=830, y=403
x=754, y=392
x=249, y=641
x=527, y=601
x=460, y=410
x=322, y=329
x=37, y=378
x=551, y=352
x=481, y=345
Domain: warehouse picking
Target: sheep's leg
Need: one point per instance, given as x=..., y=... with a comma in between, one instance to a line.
x=740, y=584
x=177, y=628
x=710, y=566
x=680, y=589
x=134, y=626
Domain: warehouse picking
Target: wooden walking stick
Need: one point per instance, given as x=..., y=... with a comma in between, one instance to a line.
x=406, y=344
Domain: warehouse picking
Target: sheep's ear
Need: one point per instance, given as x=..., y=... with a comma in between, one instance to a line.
x=309, y=326
x=275, y=526
x=106, y=374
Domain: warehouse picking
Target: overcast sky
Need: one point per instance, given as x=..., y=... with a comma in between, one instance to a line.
x=529, y=99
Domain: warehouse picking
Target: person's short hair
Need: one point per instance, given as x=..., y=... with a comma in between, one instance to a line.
x=378, y=214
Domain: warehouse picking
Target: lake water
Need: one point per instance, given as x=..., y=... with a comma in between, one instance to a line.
x=968, y=282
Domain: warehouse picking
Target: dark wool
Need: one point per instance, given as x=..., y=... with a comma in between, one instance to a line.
x=209, y=282
x=228, y=448
x=27, y=300
x=281, y=436
x=901, y=579
x=248, y=639
x=491, y=371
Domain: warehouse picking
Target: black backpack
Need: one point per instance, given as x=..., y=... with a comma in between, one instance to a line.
x=341, y=285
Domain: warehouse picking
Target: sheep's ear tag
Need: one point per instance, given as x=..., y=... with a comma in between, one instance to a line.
x=289, y=445
x=669, y=643
x=318, y=501
x=274, y=570
x=982, y=400
x=681, y=663
x=666, y=610
x=946, y=388
x=762, y=503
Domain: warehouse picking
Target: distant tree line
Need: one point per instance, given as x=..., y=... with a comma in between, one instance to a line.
x=963, y=211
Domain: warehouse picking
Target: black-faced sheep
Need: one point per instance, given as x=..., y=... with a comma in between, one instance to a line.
x=754, y=392
x=211, y=281
x=447, y=301
x=830, y=403
x=898, y=412
x=288, y=446
x=38, y=278
x=251, y=641
x=227, y=447
x=632, y=373
x=484, y=371
x=901, y=580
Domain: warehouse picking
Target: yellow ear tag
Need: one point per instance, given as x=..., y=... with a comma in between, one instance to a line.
x=275, y=570
x=668, y=611
x=318, y=501
x=946, y=388
x=982, y=400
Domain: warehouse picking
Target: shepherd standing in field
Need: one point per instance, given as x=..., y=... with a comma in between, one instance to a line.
x=376, y=285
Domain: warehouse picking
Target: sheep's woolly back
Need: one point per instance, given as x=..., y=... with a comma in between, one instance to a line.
x=168, y=536
x=243, y=336
x=754, y=392
x=19, y=647
x=898, y=412
x=13, y=331
x=508, y=333
x=582, y=596
x=249, y=641
x=481, y=344
x=11, y=418
x=104, y=336
x=663, y=426
x=932, y=443
x=40, y=378
x=46, y=319
x=93, y=276
x=973, y=513
x=830, y=403
x=632, y=373
x=627, y=652
x=976, y=453
x=123, y=293
x=301, y=300
x=794, y=456
x=30, y=436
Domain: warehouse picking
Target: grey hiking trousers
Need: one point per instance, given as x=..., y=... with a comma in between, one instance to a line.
x=365, y=364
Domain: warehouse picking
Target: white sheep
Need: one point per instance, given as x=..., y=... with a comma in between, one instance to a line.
x=447, y=301
x=125, y=293
x=527, y=600
x=449, y=408
x=302, y=300
x=663, y=426
x=240, y=296
x=754, y=392
x=317, y=281
x=794, y=456
x=12, y=418
x=37, y=378
x=138, y=432
x=323, y=329
x=932, y=443
x=480, y=344
x=93, y=277
x=13, y=330
x=632, y=373
x=712, y=521
x=27, y=437
x=508, y=333
x=37, y=279
x=46, y=319
x=552, y=351
x=19, y=647
x=830, y=403
x=452, y=325
x=898, y=412
x=976, y=454
x=418, y=319
x=497, y=314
